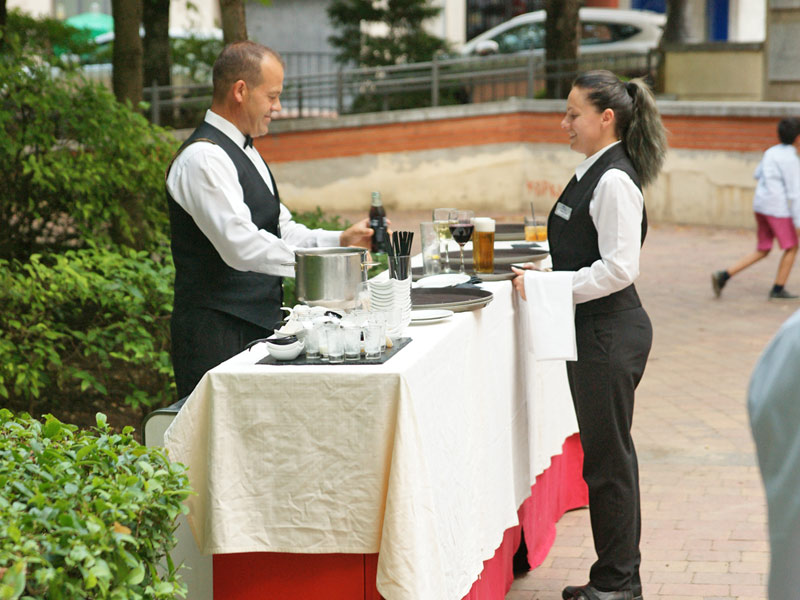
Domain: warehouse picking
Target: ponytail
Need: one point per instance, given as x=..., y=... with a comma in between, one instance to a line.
x=645, y=138
x=638, y=123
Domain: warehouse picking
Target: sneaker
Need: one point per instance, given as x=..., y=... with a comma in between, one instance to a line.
x=718, y=281
x=782, y=295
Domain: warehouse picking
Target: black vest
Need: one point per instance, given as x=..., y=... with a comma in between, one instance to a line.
x=201, y=276
x=573, y=241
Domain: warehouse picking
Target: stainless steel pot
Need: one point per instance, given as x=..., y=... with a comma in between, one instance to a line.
x=330, y=276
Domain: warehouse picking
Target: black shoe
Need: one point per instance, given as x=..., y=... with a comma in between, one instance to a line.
x=782, y=295
x=718, y=281
x=589, y=592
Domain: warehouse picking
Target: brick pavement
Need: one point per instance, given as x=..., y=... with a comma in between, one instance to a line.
x=703, y=509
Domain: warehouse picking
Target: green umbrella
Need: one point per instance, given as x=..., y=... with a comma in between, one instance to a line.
x=92, y=22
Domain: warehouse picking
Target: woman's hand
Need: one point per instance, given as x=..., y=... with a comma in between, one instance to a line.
x=519, y=281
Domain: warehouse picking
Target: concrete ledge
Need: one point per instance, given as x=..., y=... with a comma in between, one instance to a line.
x=525, y=105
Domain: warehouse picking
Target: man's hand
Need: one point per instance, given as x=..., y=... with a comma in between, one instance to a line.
x=359, y=234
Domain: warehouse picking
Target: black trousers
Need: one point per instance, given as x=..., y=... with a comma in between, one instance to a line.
x=202, y=338
x=612, y=353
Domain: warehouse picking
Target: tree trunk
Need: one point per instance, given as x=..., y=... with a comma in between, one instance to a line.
x=561, y=46
x=234, y=24
x=676, y=31
x=127, y=74
x=157, y=52
x=3, y=20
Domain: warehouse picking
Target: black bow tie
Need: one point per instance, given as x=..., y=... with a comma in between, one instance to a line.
x=248, y=141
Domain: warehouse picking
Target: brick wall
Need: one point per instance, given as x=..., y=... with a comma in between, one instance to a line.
x=718, y=133
x=503, y=156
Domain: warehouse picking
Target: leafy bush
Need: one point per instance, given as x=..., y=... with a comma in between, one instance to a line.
x=52, y=40
x=89, y=326
x=75, y=164
x=85, y=514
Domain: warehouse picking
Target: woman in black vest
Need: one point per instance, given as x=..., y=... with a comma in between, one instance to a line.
x=596, y=230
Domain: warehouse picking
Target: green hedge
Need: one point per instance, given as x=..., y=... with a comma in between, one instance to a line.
x=91, y=326
x=85, y=514
x=86, y=326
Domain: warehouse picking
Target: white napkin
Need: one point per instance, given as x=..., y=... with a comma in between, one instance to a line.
x=550, y=315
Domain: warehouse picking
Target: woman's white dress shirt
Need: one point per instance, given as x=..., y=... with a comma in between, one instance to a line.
x=616, y=209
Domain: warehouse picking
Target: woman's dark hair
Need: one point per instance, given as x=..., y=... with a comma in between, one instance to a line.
x=788, y=130
x=638, y=123
x=239, y=60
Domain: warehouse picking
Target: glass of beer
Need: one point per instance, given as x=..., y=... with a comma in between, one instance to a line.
x=535, y=229
x=483, y=245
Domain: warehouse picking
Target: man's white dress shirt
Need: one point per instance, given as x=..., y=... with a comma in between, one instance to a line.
x=204, y=182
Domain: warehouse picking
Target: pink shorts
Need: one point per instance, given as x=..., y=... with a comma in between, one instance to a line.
x=770, y=228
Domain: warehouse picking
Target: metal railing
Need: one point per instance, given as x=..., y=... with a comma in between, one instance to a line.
x=440, y=81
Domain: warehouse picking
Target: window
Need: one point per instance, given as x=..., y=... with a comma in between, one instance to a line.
x=523, y=37
x=594, y=32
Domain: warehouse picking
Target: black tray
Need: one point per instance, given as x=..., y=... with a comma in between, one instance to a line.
x=457, y=299
x=509, y=231
x=399, y=344
x=501, y=272
x=503, y=256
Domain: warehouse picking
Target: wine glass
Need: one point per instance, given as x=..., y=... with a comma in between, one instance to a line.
x=441, y=223
x=461, y=227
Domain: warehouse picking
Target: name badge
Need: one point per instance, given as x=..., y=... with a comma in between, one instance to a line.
x=563, y=211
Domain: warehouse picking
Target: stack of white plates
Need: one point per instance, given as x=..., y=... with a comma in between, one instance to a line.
x=392, y=297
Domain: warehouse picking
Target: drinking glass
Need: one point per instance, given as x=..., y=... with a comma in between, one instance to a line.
x=335, y=338
x=352, y=342
x=441, y=223
x=535, y=229
x=461, y=229
x=429, y=238
x=483, y=245
x=311, y=341
x=373, y=336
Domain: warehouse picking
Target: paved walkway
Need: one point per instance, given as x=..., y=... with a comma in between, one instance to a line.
x=703, y=509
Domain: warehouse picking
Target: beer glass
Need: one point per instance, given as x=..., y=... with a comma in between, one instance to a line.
x=483, y=245
x=441, y=223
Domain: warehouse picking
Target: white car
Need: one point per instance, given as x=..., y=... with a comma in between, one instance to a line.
x=603, y=30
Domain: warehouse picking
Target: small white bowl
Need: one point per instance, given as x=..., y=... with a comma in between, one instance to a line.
x=285, y=351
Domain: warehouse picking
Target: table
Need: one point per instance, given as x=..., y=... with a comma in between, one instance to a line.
x=424, y=460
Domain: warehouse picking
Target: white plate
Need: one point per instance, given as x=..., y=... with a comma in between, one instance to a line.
x=443, y=280
x=430, y=316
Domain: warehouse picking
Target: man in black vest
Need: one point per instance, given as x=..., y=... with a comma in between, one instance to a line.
x=231, y=236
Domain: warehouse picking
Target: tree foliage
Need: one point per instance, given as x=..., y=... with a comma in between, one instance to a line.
x=75, y=164
x=54, y=41
x=373, y=34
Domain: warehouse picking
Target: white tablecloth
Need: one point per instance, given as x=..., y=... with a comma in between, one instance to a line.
x=425, y=458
